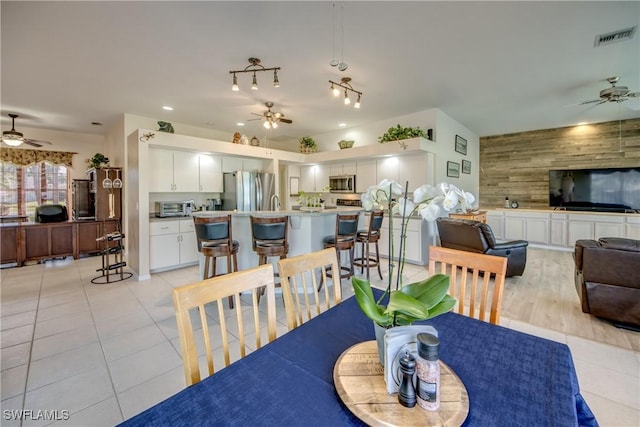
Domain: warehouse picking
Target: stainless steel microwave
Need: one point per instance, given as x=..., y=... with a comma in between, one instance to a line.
x=167, y=209
x=342, y=184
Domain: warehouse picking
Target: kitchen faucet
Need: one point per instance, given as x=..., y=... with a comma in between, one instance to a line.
x=275, y=202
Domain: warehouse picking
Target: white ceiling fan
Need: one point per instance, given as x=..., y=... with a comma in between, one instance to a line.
x=613, y=93
x=14, y=138
x=271, y=119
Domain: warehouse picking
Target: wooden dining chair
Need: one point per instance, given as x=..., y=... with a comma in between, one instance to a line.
x=199, y=296
x=298, y=279
x=475, y=278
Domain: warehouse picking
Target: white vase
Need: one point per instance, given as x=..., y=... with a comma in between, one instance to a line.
x=380, y=331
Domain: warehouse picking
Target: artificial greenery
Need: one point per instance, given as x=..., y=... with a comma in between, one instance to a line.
x=398, y=132
x=98, y=161
x=307, y=141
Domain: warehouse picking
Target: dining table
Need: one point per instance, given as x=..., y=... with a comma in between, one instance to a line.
x=512, y=378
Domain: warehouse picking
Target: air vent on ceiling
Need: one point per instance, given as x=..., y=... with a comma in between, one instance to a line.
x=616, y=36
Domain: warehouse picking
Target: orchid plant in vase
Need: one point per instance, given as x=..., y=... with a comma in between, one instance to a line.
x=420, y=300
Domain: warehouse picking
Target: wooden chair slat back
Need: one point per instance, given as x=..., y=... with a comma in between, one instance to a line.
x=299, y=281
x=477, y=280
x=201, y=295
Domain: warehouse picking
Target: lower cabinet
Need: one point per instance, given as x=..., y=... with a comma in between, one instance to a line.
x=49, y=241
x=9, y=252
x=172, y=244
x=417, y=241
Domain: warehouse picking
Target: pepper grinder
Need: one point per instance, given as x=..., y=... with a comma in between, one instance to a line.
x=406, y=391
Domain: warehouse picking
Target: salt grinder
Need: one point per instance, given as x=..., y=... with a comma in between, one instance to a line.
x=406, y=391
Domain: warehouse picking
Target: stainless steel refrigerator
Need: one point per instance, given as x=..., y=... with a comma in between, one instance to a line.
x=248, y=191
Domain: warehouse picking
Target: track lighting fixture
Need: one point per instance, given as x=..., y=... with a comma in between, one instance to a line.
x=253, y=67
x=344, y=84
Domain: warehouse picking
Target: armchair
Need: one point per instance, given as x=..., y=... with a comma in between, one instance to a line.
x=475, y=236
x=607, y=279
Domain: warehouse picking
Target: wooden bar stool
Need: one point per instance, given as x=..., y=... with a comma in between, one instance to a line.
x=343, y=240
x=215, y=240
x=269, y=238
x=365, y=238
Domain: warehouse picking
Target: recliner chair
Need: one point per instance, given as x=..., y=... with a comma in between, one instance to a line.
x=474, y=236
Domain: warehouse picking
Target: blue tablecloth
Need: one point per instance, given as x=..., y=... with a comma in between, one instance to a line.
x=513, y=379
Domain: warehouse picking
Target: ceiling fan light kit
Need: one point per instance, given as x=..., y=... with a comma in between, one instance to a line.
x=271, y=119
x=344, y=84
x=254, y=67
x=613, y=93
x=14, y=138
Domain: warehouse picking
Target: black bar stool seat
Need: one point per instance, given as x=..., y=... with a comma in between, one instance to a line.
x=365, y=238
x=343, y=240
x=269, y=236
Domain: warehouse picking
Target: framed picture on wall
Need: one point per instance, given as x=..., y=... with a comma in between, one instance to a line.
x=466, y=166
x=461, y=145
x=453, y=169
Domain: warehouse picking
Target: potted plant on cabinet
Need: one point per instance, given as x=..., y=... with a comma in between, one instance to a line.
x=308, y=145
x=398, y=133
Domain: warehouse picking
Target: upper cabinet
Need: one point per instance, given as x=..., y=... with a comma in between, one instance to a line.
x=314, y=178
x=365, y=175
x=182, y=171
x=210, y=173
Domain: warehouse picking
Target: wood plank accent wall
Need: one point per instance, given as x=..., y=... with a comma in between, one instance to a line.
x=517, y=165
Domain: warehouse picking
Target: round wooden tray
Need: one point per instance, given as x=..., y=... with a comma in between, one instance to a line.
x=359, y=379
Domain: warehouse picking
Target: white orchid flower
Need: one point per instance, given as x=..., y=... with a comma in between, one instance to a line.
x=430, y=211
x=404, y=207
x=367, y=201
x=450, y=201
x=424, y=193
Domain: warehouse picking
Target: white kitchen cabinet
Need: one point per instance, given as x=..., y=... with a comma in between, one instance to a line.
x=349, y=168
x=417, y=241
x=495, y=219
x=174, y=171
x=632, y=228
x=231, y=164
x=253, y=165
x=337, y=169
x=365, y=175
x=314, y=178
x=172, y=244
x=387, y=168
x=417, y=170
x=210, y=173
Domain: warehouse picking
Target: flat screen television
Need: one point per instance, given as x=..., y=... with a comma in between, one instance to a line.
x=598, y=190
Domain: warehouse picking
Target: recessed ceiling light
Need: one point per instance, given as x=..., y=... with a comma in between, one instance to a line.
x=342, y=125
x=239, y=124
x=168, y=108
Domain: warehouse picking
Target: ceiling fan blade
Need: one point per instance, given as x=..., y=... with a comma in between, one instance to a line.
x=283, y=120
x=250, y=120
x=36, y=141
x=592, y=101
x=633, y=95
x=256, y=114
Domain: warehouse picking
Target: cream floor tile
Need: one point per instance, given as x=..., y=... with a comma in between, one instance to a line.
x=13, y=381
x=538, y=331
x=12, y=405
x=608, y=383
x=73, y=393
x=17, y=304
x=13, y=356
x=64, y=341
x=124, y=323
x=15, y=336
x=64, y=365
x=75, y=306
x=105, y=413
x=605, y=356
x=63, y=323
x=137, y=368
x=19, y=319
x=610, y=413
x=71, y=296
x=132, y=342
x=142, y=396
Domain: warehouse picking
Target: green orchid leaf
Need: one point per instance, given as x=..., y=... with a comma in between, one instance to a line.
x=367, y=303
x=430, y=291
x=444, y=306
x=406, y=304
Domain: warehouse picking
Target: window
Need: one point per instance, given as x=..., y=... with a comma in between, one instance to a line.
x=23, y=188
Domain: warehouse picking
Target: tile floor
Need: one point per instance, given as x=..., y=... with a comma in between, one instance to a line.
x=99, y=354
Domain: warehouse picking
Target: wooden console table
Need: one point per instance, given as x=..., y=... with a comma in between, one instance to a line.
x=475, y=216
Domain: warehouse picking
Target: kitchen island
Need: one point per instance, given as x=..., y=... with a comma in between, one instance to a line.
x=306, y=231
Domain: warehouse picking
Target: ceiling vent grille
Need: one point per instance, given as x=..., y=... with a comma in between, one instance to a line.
x=614, y=37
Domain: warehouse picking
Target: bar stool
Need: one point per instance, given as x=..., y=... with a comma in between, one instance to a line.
x=343, y=240
x=215, y=240
x=365, y=238
x=269, y=238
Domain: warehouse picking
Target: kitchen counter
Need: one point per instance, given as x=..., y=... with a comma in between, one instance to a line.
x=294, y=212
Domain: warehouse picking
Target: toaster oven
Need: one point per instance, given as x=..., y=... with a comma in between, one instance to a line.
x=168, y=209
